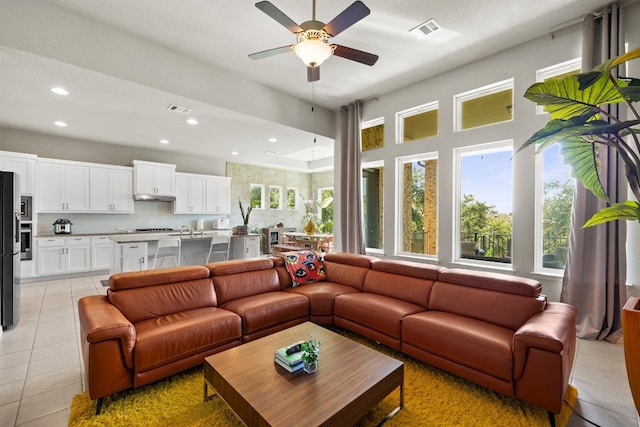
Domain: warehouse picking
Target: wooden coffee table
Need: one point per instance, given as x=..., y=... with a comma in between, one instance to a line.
x=351, y=379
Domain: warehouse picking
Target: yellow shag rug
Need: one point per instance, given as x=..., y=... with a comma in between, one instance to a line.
x=432, y=398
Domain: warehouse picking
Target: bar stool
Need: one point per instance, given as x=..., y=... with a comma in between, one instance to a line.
x=219, y=246
x=168, y=248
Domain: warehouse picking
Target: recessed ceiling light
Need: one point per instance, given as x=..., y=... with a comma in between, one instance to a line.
x=164, y=141
x=272, y=139
x=60, y=123
x=59, y=90
x=234, y=153
x=192, y=121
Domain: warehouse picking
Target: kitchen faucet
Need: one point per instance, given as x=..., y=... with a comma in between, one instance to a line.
x=186, y=228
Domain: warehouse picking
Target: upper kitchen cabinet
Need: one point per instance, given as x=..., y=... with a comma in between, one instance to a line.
x=22, y=164
x=190, y=194
x=154, y=181
x=218, y=196
x=111, y=189
x=63, y=186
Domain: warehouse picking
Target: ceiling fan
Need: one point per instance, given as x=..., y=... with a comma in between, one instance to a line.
x=313, y=37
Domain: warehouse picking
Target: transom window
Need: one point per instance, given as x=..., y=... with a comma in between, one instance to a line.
x=372, y=134
x=417, y=123
x=484, y=106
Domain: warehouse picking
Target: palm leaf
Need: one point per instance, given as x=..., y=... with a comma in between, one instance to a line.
x=629, y=210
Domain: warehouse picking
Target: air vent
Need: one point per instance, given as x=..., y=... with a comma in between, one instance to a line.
x=424, y=29
x=179, y=109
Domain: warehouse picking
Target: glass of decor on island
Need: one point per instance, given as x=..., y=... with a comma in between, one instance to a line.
x=310, y=351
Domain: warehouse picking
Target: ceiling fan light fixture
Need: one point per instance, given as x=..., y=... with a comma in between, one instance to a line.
x=313, y=47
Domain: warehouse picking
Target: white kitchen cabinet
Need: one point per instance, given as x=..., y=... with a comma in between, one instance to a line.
x=190, y=194
x=57, y=255
x=151, y=180
x=246, y=246
x=111, y=189
x=218, y=195
x=22, y=164
x=130, y=257
x=101, y=252
x=62, y=186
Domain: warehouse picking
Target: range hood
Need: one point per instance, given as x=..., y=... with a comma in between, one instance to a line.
x=154, y=197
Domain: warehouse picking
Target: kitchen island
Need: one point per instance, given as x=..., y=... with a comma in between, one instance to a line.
x=136, y=251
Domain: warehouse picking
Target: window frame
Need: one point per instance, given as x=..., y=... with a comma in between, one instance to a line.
x=374, y=164
x=295, y=199
x=398, y=226
x=458, y=154
x=556, y=70
x=414, y=111
x=489, y=89
x=279, y=188
x=372, y=123
x=262, y=195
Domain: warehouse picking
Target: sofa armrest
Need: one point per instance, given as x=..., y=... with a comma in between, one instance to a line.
x=552, y=330
x=102, y=321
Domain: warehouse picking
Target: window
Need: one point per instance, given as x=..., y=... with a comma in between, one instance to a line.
x=325, y=196
x=484, y=106
x=372, y=206
x=484, y=202
x=418, y=204
x=554, y=192
x=275, y=201
x=257, y=196
x=554, y=199
x=418, y=122
x=292, y=197
x=372, y=134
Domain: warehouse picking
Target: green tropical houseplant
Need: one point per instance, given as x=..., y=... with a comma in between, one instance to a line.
x=581, y=124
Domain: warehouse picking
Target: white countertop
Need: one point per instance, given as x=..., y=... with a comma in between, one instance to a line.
x=150, y=237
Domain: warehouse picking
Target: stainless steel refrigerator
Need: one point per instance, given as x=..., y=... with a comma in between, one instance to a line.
x=10, y=241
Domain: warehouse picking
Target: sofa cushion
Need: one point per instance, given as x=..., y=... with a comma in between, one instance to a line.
x=242, y=278
x=400, y=286
x=348, y=269
x=169, y=338
x=500, y=308
x=268, y=309
x=142, y=303
x=141, y=279
x=321, y=296
x=304, y=267
x=377, y=312
x=478, y=345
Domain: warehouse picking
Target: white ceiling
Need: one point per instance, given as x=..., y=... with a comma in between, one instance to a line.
x=104, y=105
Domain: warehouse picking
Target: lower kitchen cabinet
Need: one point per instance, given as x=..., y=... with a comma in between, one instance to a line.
x=101, y=252
x=58, y=255
x=245, y=246
x=130, y=257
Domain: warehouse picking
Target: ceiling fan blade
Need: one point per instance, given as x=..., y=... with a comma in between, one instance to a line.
x=347, y=18
x=355, y=55
x=278, y=15
x=313, y=74
x=270, y=52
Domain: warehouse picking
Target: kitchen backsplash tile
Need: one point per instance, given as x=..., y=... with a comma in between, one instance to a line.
x=147, y=214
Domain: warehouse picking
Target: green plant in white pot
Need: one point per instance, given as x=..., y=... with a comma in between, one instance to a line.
x=580, y=124
x=310, y=352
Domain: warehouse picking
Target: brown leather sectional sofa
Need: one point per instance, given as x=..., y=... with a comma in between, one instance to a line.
x=495, y=330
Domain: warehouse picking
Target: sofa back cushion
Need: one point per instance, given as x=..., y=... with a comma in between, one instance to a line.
x=242, y=278
x=154, y=293
x=347, y=268
x=404, y=280
x=503, y=300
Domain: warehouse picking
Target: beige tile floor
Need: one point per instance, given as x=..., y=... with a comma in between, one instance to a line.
x=41, y=370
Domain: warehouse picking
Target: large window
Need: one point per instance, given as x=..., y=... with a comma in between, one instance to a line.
x=554, y=193
x=418, y=204
x=372, y=206
x=417, y=123
x=484, y=106
x=372, y=134
x=484, y=202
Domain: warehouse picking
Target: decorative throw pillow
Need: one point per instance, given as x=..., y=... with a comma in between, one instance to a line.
x=304, y=267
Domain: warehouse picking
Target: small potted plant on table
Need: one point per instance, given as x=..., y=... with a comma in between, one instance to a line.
x=310, y=351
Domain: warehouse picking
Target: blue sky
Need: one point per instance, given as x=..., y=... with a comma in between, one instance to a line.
x=488, y=176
